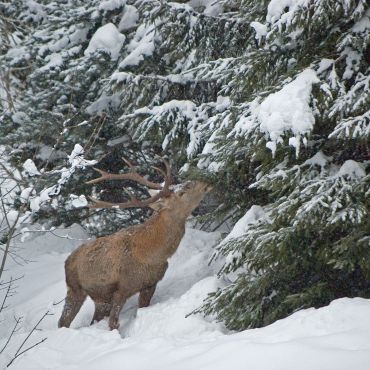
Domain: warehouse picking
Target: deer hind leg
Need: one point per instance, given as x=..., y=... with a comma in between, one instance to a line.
x=118, y=301
x=102, y=309
x=74, y=300
x=146, y=295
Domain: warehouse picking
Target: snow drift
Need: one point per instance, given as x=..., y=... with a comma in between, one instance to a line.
x=162, y=336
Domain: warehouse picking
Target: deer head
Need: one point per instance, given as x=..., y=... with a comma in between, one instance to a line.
x=180, y=199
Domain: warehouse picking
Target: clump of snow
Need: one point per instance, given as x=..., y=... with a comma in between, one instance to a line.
x=212, y=8
x=104, y=103
x=352, y=169
x=140, y=46
x=319, y=159
x=30, y=168
x=222, y=103
x=324, y=65
x=36, y=11
x=276, y=9
x=108, y=5
x=353, y=60
x=106, y=38
x=260, y=29
x=78, y=201
x=288, y=110
x=129, y=18
x=20, y=118
x=285, y=111
x=54, y=60
x=25, y=194
x=363, y=24
x=36, y=201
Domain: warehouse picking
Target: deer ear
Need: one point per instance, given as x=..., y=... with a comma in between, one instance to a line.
x=157, y=206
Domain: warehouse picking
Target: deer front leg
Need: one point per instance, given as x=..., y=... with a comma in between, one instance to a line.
x=102, y=309
x=74, y=300
x=118, y=301
x=146, y=295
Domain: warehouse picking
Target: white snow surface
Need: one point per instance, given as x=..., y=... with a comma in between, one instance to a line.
x=161, y=337
x=252, y=216
x=106, y=38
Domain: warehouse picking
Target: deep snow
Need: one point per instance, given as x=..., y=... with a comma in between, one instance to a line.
x=161, y=337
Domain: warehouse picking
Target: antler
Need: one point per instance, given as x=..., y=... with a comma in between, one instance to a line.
x=133, y=176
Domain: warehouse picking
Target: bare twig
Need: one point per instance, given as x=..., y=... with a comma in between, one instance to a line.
x=10, y=291
x=18, y=320
x=19, y=351
x=12, y=228
x=59, y=302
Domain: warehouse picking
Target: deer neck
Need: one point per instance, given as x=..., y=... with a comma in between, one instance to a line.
x=159, y=237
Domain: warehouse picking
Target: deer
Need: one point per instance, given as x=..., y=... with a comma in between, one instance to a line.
x=111, y=269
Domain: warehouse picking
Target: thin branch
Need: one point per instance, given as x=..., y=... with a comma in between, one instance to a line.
x=27, y=349
x=17, y=322
x=19, y=352
x=10, y=236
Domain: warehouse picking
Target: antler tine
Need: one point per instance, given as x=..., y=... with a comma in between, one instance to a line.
x=134, y=203
x=133, y=176
x=159, y=170
x=129, y=164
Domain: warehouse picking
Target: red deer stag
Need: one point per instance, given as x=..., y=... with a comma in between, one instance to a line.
x=111, y=269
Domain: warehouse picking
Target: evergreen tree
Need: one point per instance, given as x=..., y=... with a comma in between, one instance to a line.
x=306, y=138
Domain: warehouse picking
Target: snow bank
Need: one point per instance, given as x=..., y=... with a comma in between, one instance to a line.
x=161, y=337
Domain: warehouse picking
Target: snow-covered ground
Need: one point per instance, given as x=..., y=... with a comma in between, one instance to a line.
x=161, y=337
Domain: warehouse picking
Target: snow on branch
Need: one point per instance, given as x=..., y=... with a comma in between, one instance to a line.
x=353, y=127
x=76, y=161
x=286, y=111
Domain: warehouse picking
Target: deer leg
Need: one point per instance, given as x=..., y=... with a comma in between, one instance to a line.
x=102, y=309
x=118, y=301
x=146, y=295
x=74, y=300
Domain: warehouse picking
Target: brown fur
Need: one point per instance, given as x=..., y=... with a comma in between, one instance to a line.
x=113, y=268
